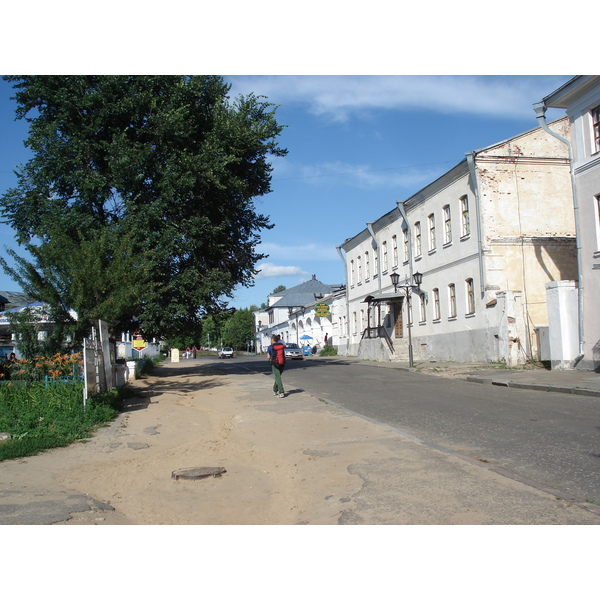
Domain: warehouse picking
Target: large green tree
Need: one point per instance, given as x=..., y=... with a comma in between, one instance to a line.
x=238, y=330
x=167, y=167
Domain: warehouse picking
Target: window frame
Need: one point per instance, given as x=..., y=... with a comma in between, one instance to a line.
x=437, y=314
x=447, y=225
x=418, y=244
x=385, y=256
x=431, y=223
x=465, y=220
x=452, y=301
x=595, y=118
x=423, y=311
x=470, y=289
x=597, y=208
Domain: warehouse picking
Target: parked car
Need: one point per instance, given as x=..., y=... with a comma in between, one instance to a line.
x=293, y=351
x=226, y=353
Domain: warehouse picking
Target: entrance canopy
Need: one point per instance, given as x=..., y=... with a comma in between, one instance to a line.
x=389, y=297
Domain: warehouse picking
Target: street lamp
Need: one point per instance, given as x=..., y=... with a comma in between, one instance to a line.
x=418, y=279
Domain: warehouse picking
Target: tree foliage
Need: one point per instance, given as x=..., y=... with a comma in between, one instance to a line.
x=238, y=330
x=138, y=203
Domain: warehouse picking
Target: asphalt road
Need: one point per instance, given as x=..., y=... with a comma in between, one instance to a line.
x=551, y=440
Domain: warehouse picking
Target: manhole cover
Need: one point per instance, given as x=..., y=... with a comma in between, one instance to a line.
x=197, y=472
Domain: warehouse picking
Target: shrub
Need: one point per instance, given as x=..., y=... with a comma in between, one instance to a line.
x=328, y=351
x=58, y=365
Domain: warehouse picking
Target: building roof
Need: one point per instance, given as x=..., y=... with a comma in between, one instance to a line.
x=565, y=94
x=16, y=298
x=303, y=294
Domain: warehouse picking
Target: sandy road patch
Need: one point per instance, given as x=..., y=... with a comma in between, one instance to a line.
x=293, y=460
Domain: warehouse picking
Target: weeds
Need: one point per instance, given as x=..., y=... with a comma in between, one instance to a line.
x=328, y=351
x=39, y=417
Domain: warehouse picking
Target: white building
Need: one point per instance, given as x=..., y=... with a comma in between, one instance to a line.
x=301, y=314
x=578, y=344
x=486, y=237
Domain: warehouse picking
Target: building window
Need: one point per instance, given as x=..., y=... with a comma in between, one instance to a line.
x=470, y=297
x=598, y=220
x=395, y=250
x=596, y=126
x=452, y=301
x=351, y=272
x=385, y=256
x=359, y=261
x=464, y=211
x=423, y=313
x=447, y=225
x=354, y=323
x=362, y=319
x=376, y=264
x=367, y=266
x=431, y=220
x=418, y=238
x=436, y=304
x=405, y=241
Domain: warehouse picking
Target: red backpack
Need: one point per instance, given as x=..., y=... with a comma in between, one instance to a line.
x=278, y=353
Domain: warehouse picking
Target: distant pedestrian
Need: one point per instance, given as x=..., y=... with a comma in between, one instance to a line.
x=276, y=354
x=194, y=351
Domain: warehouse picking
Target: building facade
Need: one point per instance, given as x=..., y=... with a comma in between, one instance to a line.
x=581, y=98
x=486, y=238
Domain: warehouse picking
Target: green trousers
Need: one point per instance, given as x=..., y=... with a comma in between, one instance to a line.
x=278, y=384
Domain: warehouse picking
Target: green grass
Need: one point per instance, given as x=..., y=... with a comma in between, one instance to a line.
x=39, y=417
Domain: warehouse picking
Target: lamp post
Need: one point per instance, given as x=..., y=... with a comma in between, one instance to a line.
x=418, y=279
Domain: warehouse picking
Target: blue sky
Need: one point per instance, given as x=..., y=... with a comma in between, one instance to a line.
x=357, y=145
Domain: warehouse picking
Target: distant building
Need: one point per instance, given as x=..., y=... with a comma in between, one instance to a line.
x=293, y=313
x=10, y=301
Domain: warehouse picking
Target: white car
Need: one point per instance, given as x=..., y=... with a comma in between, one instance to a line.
x=293, y=351
x=226, y=353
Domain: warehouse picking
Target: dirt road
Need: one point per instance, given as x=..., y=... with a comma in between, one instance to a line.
x=293, y=460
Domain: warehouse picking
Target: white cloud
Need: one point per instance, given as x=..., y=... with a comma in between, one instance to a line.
x=339, y=97
x=268, y=270
x=364, y=176
x=306, y=251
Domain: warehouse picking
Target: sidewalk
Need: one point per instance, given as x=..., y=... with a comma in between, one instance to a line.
x=585, y=383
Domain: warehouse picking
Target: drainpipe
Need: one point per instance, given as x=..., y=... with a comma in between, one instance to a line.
x=370, y=228
x=540, y=114
x=402, y=210
x=475, y=189
x=343, y=257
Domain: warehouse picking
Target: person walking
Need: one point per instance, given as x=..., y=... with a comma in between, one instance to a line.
x=276, y=354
